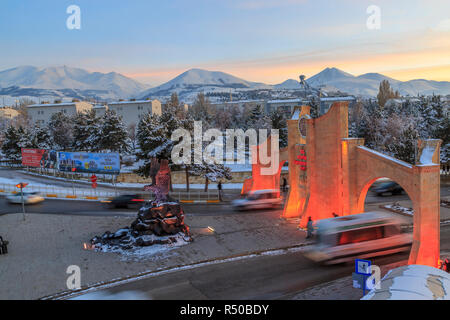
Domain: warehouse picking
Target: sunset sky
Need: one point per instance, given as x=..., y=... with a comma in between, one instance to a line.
x=258, y=40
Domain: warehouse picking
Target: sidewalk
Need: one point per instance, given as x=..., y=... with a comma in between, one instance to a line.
x=340, y=289
x=42, y=247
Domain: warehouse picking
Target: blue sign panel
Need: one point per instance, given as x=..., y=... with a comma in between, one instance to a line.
x=363, y=267
x=106, y=163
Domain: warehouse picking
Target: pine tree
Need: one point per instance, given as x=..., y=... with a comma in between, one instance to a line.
x=40, y=138
x=113, y=134
x=278, y=121
x=150, y=137
x=10, y=146
x=61, y=131
x=86, y=131
x=257, y=119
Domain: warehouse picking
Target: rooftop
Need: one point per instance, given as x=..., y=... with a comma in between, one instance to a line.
x=131, y=102
x=52, y=104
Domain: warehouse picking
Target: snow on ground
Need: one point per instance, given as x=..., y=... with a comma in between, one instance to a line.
x=413, y=282
x=147, y=252
x=8, y=181
x=399, y=209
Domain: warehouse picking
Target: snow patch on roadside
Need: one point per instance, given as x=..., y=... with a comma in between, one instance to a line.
x=154, y=252
x=395, y=207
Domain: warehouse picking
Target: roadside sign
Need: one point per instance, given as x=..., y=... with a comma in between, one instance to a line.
x=363, y=267
x=362, y=272
x=21, y=186
x=94, y=185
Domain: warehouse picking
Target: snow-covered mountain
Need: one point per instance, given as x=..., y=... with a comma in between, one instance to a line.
x=289, y=84
x=65, y=82
x=193, y=81
x=368, y=84
x=188, y=84
x=59, y=80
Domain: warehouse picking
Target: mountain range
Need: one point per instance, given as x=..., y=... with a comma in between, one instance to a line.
x=66, y=82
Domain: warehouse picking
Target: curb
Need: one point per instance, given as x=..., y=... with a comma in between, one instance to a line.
x=148, y=274
x=199, y=201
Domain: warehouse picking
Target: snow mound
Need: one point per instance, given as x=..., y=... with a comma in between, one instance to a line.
x=137, y=253
x=413, y=282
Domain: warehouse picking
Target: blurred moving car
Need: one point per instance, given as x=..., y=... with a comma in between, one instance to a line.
x=388, y=187
x=361, y=235
x=125, y=201
x=260, y=199
x=28, y=198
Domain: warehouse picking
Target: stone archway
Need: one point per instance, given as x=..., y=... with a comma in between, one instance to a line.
x=338, y=170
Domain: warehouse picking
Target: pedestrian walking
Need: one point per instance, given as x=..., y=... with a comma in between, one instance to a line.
x=309, y=228
x=284, y=187
x=219, y=187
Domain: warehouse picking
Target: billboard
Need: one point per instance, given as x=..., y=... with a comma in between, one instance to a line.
x=39, y=158
x=106, y=163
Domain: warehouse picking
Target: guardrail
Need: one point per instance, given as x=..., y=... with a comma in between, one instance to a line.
x=211, y=196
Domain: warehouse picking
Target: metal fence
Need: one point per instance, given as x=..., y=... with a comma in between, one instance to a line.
x=88, y=193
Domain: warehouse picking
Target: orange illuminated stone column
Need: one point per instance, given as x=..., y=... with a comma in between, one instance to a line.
x=426, y=235
x=297, y=195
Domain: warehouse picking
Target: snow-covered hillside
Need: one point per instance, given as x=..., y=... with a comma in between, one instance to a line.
x=21, y=81
x=67, y=83
x=193, y=81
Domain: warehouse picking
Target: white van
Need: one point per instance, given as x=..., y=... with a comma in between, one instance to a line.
x=260, y=199
x=361, y=235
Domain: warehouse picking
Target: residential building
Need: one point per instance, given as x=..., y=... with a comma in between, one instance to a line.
x=100, y=109
x=8, y=113
x=243, y=105
x=132, y=111
x=283, y=105
x=41, y=113
x=326, y=102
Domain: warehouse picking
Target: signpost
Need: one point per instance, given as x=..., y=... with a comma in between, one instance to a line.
x=94, y=181
x=73, y=187
x=21, y=186
x=362, y=272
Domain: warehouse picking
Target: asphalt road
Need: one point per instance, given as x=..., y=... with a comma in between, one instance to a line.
x=264, y=277
x=95, y=208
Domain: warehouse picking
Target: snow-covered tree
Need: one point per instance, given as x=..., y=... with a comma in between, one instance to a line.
x=86, y=131
x=152, y=142
x=40, y=138
x=113, y=134
x=61, y=131
x=15, y=139
x=278, y=121
x=257, y=119
x=211, y=172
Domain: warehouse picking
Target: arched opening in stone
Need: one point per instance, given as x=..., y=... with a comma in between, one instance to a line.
x=388, y=195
